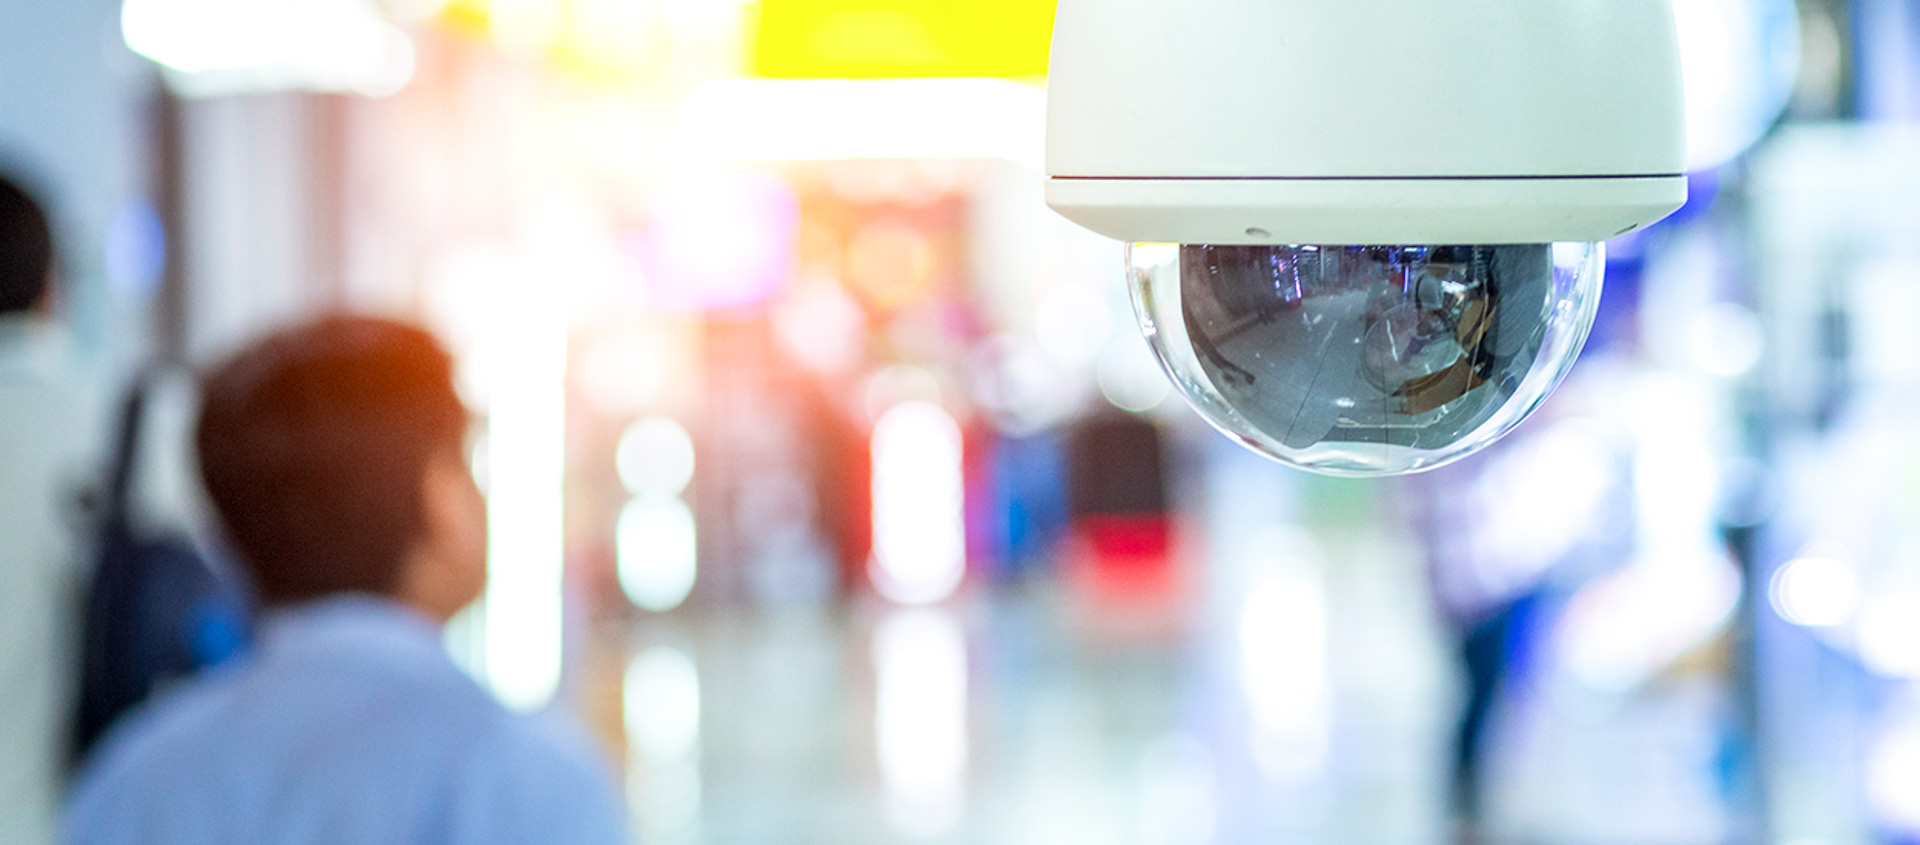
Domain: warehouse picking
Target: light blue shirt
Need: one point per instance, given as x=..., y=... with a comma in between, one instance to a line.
x=348, y=724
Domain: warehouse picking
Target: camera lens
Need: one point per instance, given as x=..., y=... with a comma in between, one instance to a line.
x=1366, y=360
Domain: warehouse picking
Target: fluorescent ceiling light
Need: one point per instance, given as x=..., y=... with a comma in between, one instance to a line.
x=222, y=47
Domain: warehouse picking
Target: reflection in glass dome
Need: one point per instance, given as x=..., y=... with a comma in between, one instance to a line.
x=1363, y=360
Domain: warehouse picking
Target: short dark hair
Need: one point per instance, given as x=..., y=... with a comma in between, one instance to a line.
x=314, y=443
x=26, y=249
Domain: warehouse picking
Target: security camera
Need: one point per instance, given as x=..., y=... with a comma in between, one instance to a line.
x=1365, y=235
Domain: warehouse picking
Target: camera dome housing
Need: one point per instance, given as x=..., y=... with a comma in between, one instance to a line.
x=1365, y=360
x=1398, y=196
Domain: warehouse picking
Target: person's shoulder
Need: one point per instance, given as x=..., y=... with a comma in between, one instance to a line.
x=497, y=741
x=155, y=741
x=177, y=716
x=542, y=776
x=541, y=741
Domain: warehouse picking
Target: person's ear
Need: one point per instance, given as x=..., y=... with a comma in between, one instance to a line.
x=447, y=569
x=49, y=302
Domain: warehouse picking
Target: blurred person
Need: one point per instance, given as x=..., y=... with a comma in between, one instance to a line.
x=333, y=453
x=46, y=444
x=1507, y=536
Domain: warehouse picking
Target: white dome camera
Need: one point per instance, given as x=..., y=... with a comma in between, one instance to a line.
x=1365, y=235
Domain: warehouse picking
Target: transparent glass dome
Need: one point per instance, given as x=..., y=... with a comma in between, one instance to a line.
x=1366, y=360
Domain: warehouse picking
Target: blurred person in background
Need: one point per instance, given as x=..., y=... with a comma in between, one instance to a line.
x=46, y=446
x=1508, y=536
x=333, y=453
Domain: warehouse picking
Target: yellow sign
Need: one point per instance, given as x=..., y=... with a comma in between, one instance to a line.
x=876, y=39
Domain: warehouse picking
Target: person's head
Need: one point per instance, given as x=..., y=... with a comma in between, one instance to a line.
x=333, y=452
x=26, y=251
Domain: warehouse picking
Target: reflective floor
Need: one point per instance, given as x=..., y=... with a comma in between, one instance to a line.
x=1288, y=696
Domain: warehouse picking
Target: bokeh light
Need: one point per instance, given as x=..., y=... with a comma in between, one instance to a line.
x=655, y=458
x=920, y=719
x=919, y=521
x=721, y=240
x=1130, y=377
x=1818, y=592
x=823, y=327
x=1889, y=627
x=136, y=250
x=1893, y=777
x=662, y=716
x=1283, y=664
x=662, y=695
x=657, y=546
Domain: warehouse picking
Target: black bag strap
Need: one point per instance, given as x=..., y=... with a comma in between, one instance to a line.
x=102, y=692
x=118, y=511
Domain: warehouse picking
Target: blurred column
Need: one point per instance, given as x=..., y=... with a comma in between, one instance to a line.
x=170, y=189
x=262, y=214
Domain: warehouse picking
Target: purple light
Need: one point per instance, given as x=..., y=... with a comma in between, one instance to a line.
x=721, y=241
